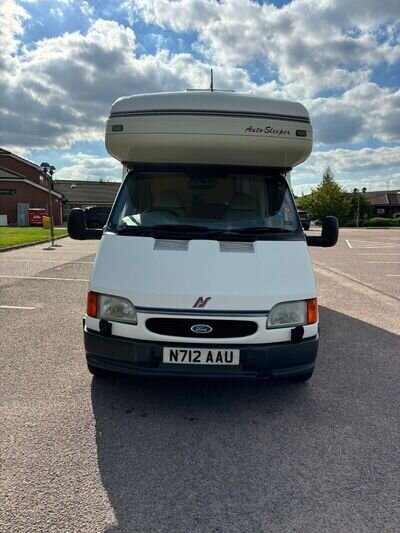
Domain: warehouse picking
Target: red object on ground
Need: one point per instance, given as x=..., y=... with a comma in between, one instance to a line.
x=35, y=216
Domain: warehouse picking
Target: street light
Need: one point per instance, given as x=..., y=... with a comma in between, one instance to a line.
x=48, y=171
x=356, y=191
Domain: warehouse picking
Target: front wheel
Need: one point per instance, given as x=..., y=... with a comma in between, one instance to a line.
x=306, y=226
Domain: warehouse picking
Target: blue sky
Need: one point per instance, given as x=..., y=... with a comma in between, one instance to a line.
x=63, y=63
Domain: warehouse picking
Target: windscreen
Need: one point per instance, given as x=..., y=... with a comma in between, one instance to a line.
x=207, y=199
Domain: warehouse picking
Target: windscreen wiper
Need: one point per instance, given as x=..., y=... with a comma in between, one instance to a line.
x=254, y=229
x=161, y=228
x=133, y=230
x=182, y=228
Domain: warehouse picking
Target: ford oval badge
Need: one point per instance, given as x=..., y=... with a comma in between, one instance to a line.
x=201, y=328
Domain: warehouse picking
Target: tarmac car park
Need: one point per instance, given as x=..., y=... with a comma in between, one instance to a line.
x=85, y=454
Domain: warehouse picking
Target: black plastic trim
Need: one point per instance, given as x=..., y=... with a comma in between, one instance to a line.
x=145, y=358
x=195, y=312
x=196, y=112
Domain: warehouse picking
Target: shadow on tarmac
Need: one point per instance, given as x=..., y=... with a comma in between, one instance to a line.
x=218, y=456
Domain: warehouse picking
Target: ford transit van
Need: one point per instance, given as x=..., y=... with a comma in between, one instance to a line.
x=203, y=268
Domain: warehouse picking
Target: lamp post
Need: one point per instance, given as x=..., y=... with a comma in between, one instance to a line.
x=48, y=171
x=356, y=191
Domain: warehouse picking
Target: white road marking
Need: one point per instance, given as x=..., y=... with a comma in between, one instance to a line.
x=15, y=307
x=359, y=244
x=37, y=277
x=393, y=275
x=43, y=252
x=49, y=261
x=383, y=262
x=369, y=254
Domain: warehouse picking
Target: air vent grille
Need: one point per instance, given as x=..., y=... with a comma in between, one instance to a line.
x=175, y=245
x=236, y=247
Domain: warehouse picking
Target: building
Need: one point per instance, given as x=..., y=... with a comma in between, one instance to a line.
x=384, y=203
x=79, y=193
x=23, y=185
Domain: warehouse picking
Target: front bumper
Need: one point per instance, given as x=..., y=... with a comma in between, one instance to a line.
x=140, y=357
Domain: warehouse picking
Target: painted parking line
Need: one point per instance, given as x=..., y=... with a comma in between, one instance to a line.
x=393, y=275
x=42, y=278
x=383, y=262
x=48, y=261
x=15, y=307
x=381, y=254
x=59, y=252
x=364, y=245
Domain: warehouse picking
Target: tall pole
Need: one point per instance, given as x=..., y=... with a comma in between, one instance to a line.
x=358, y=208
x=48, y=171
x=50, y=180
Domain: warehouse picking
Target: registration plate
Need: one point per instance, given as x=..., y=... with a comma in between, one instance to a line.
x=202, y=356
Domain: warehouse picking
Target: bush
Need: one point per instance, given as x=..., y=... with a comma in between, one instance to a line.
x=381, y=222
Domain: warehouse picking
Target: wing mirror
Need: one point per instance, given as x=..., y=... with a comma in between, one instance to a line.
x=77, y=226
x=329, y=234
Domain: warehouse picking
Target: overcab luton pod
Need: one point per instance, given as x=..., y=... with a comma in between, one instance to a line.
x=203, y=267
x=213, y=128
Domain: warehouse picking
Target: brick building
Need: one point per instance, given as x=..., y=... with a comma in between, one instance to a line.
x=23, y=185
x=79, y=193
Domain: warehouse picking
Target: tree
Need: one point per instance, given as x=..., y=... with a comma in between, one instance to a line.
x=327, y=199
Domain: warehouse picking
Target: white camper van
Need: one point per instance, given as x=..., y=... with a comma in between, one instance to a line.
x=203, y=268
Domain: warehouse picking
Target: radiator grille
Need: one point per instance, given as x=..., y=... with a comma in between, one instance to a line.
x=181, y=327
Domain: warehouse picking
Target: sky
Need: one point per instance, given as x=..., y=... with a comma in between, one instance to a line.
x=64, y=62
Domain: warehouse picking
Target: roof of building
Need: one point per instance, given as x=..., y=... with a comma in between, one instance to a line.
x=10, y=175
x=22, y=159
x=384, y=197
x=87, y=192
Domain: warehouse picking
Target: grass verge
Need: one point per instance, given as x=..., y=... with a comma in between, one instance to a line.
x=15, y=236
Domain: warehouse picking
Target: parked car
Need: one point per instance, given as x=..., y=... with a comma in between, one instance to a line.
x=305, y=219
x=96, y=217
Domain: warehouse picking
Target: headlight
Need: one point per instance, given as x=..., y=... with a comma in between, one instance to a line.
x=111, y=308
x=293, y=314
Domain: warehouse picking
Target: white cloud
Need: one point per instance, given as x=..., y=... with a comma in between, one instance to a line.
x=364, y=112
x=312, y=45
x=86, y=9
x=368, y=167
x=59, y=90
x=63, y=88
x=12, y=18
x=82, y=166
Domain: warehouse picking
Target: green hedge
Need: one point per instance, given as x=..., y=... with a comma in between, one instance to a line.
x=380, y=222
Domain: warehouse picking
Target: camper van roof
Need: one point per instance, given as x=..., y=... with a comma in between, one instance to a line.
x=207, y=101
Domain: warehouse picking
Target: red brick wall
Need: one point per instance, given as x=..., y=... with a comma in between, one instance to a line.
x=22, y=168
x=28, y=194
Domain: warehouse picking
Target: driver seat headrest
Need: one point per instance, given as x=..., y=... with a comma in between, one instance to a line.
x=169, y=200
